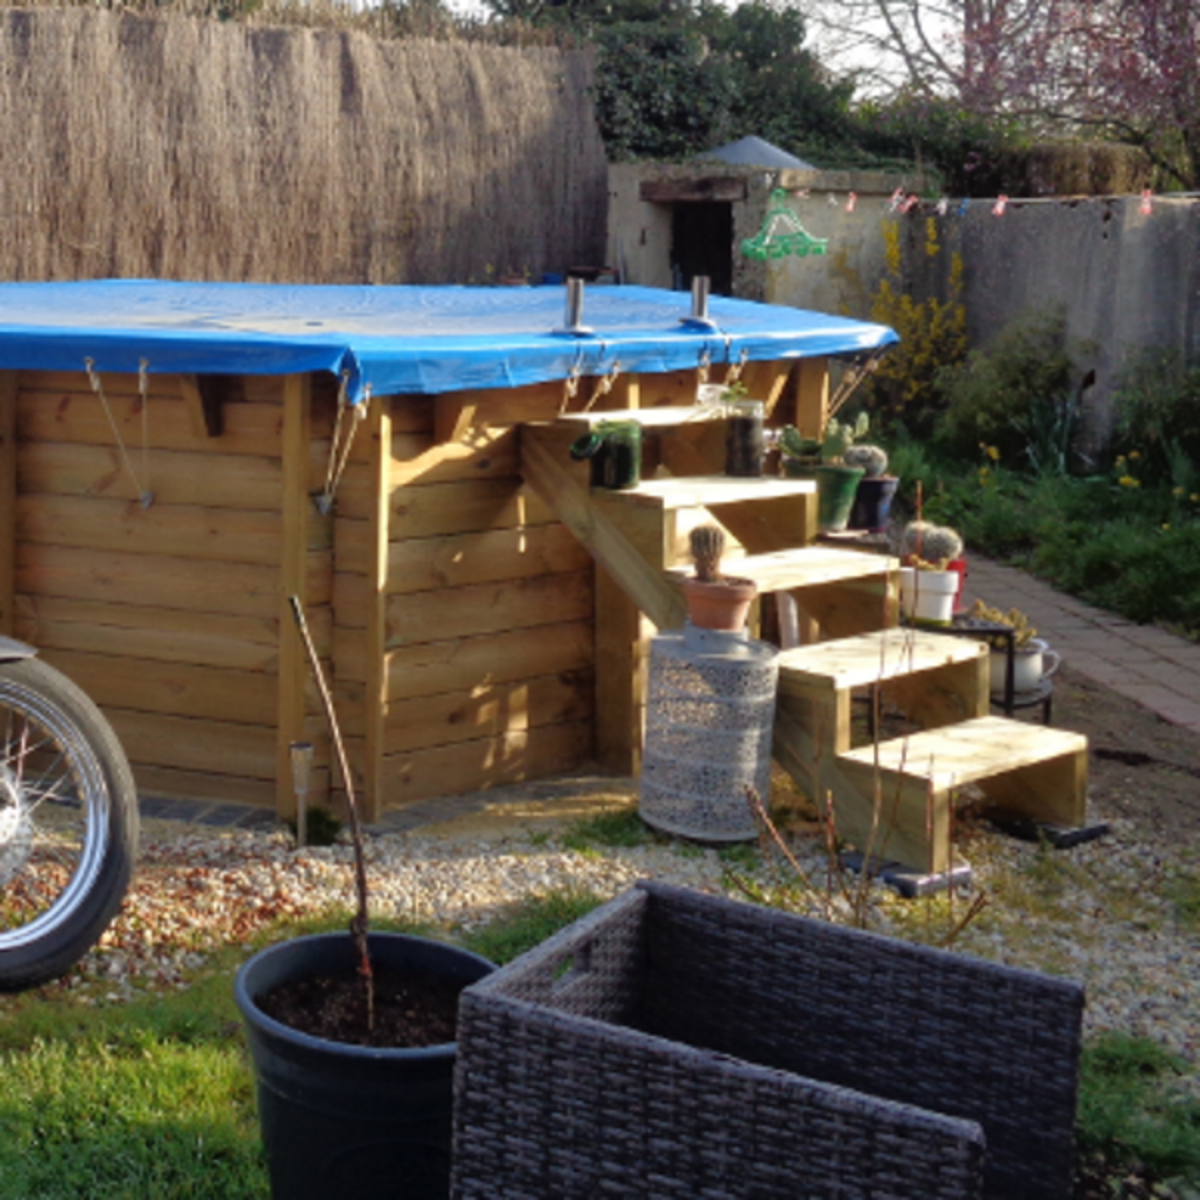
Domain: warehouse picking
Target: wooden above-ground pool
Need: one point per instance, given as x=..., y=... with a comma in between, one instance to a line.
x=177, y=460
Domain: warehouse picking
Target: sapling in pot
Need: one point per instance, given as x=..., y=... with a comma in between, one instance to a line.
x=353, y=1043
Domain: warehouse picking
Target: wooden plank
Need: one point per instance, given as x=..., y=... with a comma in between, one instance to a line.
x=548, y=475
x=124, y=526
x=242, y=482
x=489, y=711
x=293, y=580
x=648, y=418
x=445, y=510
x=804, y=567
x=622, y=658
x=510, y=604
x=766, y=381
x=479, y=558
x=175, y=689
x=458, y=414
x=466, y=506
x=900, y=822
x=219, y=747
x=435, y=563
x=241, y=589
x=489, y=762
x=871, y=658
x=374, y=708
x=220, y=640
x=675, y=388
x=461, y=664
x=971, y=751
x=172, y=783
x=250, y=389
x=709, y=491
x=693, y=189
x=204, y=404
x=8, y=499
x=489, y=454
x=807, y=404
x=249, y=428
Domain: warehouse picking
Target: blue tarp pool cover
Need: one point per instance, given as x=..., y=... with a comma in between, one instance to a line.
x=397, y=339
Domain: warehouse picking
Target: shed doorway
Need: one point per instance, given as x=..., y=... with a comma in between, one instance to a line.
x=702, y=244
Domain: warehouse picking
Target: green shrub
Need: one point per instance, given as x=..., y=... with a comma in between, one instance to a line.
x=1157, y=408
x=1018, y=395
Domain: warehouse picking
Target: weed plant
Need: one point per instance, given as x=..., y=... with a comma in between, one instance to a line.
x=1128, y=1109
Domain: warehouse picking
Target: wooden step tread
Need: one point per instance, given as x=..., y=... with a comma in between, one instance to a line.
x=972, y=751
x=707, y=491
x=663, y=417
x=873, y=657
x=804, y=566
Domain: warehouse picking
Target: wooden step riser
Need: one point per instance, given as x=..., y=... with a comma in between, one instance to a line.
x=931, y=699
x=907, y=814
x=902, y=824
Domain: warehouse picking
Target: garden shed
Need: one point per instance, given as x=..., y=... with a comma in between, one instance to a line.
x=177, y=459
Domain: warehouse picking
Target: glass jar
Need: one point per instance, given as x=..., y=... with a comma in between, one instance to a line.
x=614, y=450
x=744, y=446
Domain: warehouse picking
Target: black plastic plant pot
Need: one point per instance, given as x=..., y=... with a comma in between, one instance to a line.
x=346, y=1121
x=873, y=503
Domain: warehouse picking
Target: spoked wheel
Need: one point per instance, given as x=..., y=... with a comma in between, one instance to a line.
x=68, y=824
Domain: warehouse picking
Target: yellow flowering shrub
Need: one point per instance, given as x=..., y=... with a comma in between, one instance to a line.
x=933, y=334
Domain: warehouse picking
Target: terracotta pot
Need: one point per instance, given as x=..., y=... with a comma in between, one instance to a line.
x=723, y=605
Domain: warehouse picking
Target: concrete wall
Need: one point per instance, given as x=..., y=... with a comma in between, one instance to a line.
x=639, y=231
x=1127, y=281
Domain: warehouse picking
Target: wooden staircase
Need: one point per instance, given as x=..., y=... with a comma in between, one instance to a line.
x=893, y=800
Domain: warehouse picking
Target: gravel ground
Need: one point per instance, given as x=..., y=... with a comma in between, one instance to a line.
x=1102, y=912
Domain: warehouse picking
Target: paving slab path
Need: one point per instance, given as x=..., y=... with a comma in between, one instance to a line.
x=1145, y=663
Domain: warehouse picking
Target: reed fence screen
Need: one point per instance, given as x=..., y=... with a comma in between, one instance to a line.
x=181, y=147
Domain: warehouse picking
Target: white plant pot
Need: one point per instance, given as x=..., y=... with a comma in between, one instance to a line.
x=927, y=595
x=1032, y=663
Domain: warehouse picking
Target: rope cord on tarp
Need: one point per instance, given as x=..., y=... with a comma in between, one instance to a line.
x=604, y=384
x=571, y=383
x=345, y=426
x=145, y=495
x=734, y=371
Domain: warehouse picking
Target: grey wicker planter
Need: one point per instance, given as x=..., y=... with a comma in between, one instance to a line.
x=672, y=1044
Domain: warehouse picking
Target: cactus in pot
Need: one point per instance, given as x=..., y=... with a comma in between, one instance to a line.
x=931, y=547
x=872, y=459
x=715, y=600
x=707, y=544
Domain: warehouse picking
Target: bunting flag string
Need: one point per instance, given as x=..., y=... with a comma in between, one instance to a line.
x=783, y=234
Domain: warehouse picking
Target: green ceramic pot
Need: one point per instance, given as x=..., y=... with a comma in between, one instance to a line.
x=837, y=485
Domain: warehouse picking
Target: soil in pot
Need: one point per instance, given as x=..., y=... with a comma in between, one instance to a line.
x=412, y=1008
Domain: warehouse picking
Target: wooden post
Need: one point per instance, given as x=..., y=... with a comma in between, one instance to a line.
x=375, y=695
x=293, y=578
x=811, y=396
x=8, y=499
